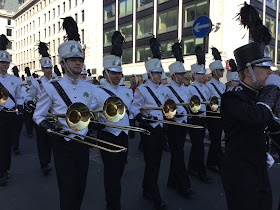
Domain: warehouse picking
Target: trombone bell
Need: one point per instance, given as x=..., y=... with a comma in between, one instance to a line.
x=169, y=109
x=114, y=109
x=77, y=116
x=4, y=94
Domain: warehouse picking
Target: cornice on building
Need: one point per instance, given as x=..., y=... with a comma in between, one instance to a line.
x=6, y=13
x=24, y=7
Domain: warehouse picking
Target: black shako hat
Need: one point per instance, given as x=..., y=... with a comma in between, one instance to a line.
x=256, y=53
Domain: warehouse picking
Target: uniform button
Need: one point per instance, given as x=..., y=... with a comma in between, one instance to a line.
x=74, y=88
x=75, y=96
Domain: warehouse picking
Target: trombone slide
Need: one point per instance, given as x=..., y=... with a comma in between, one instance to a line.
x=176, y=123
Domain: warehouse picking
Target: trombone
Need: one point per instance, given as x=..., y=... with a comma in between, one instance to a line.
x=77, y=118
x=4, y=95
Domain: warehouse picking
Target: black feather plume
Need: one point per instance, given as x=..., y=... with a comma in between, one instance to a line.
x=27, y=71
x=249, y=18
x=71, y=28
x=43, y=49
x=117, y=42
x=200, y=56
x=177, y=51
x=34, y=75
x=56, y=70
x=89, y=73
x=232, y=65
x=3, y=42
x=155, y=48
x=15, y=71
x=22, y=77
x=216, y=53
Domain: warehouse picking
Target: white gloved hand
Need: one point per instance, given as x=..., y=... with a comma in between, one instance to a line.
x=269, y=160
x=273, y=79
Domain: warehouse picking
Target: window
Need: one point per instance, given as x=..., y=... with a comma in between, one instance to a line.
x=107, y=37
x=162, y=1
x=45, y=18
x=143, y=54
x=53, y=12
x=83, y=15
x=9, y=32
x=54, y=46
x=69, y=4
x=193, y=11
x=9, y=46
x=83, y=36
x=38, y=21
x=76, y=18
x=58, y=26
x=127, y=56
x=58, y=10
x=144, y=27
x=270, y=24
x=189, y=44
x=49, y=30
x=58, y=41
x=166, y=49
x=9, y=22
x=45, y=33
x=53, y=28
x=126, y=31
x=49, y=15
x=64, y=8
x=33, y=24
x=125, y=7
x=109, y=13
x=76, y=2
x=167, y=21
x=144, y=4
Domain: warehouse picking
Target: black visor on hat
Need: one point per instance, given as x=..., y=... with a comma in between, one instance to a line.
x=254, y=53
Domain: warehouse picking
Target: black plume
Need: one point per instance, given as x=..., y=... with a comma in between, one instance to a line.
x=249, y=18
x=43, y=49
x=117, y=42
x=177, y=51
x=35, y=75
x=71, y=28
x=56, y=70
x=27, y=71
x=232, y=65
x=155, y=48
x=89, y=73
x=200, y=56
x=22, y=77
x=216, y=53
x=3, y=42
x=15, y=71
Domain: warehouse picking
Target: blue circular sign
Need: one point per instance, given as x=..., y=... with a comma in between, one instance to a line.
x=201, y=26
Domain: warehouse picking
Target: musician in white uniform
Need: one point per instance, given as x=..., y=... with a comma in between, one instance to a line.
x=8, y=119
x=196, y=165
x=151, y=94
x=71, y=158
x=215, y=125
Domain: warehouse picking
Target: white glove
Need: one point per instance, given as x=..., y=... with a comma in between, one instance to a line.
x=269, y=160
x=273, y=79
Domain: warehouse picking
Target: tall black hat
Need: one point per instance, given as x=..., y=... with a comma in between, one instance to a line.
x=256, y=53
x=15, y=71
x=4, y=55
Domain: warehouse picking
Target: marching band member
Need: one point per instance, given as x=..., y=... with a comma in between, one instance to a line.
x=247, y=111
x=44, y=142
x=12, y=85
x=232, y=75
x=70, y=157
x=114, y=163
x=83, y=74
x=196, y=165
x=178, y=177
x=151, y=94
x=214, y=125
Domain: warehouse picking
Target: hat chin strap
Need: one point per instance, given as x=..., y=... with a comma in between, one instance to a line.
x=67, y=67
x=215, y=72
x=253, y=75
x=153, y=80
x=197, y=78
x=176, y=78
x=110, y=81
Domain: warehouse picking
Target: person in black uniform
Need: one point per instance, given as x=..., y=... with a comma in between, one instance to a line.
x=246, y=115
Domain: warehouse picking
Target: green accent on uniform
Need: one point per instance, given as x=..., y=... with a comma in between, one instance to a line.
x=86, y=94
x=127, y=94
x=12, y=83
x=162, y=94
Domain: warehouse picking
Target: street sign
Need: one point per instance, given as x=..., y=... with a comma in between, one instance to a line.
x=201, y=26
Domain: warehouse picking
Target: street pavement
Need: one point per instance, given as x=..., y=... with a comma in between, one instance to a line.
x=29, y=189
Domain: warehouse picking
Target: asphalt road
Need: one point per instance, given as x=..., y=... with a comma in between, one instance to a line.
x=28, y=189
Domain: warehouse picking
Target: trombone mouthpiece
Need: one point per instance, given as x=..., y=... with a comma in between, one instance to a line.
x=147, y=132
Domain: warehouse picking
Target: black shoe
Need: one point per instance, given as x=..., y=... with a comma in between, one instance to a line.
x=205, y=179
x=3, y=181
x=148, y=196
x=160, y=205
x=214, y=168
x=17, y=151
x=46, y=169
x=187, y=193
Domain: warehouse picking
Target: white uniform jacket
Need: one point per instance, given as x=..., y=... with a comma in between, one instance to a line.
x=220, y=86
x=204, y=91
x=77, y=91
x=13, y=85
x=142, y=98
x=100, y=96
x=181, y=90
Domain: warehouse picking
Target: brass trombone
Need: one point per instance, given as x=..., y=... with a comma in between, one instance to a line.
x=78, y=118
x=4, y=95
